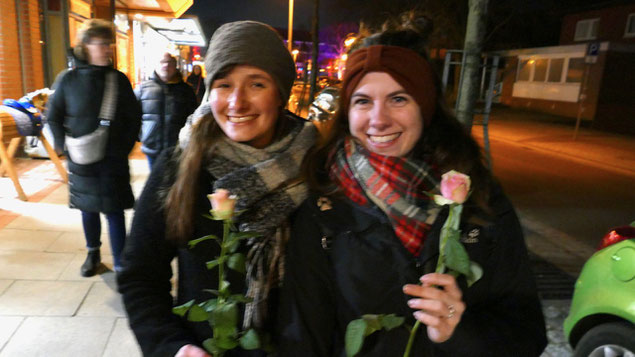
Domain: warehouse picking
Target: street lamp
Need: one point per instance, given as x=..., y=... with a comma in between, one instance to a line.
x=290, y=29
x=295, y=54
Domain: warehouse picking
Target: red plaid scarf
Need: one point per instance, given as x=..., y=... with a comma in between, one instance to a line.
x=398, y=186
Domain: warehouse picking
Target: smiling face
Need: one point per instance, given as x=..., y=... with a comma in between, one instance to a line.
x=246, y=105
x=384, y=118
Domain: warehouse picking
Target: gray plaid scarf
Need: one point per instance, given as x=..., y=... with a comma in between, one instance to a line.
x=268, y=187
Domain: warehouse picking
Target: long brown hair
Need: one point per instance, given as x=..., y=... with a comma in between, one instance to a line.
x=445, y=142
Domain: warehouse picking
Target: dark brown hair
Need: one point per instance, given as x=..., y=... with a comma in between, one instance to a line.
x=445, y=142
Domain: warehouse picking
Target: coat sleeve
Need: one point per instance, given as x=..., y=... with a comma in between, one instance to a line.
x=144, y=281
x=307, y=306
x=132, y=111
x=508, y=320
x=56, y=112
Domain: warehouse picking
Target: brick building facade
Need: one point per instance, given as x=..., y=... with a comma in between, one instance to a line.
x=21, y=68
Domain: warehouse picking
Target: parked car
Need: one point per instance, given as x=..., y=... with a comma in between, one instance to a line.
x=601, y=321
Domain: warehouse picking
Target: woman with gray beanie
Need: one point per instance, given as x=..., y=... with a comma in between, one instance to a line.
x=242, y=140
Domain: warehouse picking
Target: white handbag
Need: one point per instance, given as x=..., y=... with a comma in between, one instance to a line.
x=91, y=148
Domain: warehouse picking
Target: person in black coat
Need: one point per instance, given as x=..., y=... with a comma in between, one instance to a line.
x=197, y=81
x=367, y=239
x=166, y=101
x=243, y=141
x=103, y=186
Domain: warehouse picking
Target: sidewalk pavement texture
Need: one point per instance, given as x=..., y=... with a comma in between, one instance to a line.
x=48, y=309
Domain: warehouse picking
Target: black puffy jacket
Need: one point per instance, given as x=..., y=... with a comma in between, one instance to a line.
x=346, y=261
x=165, y=108
x=73, y=110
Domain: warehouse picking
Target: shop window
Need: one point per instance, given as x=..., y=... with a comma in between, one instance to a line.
x=524, y=69
x=630, y=26
x=555, y=70
x=575, y=70
x=586, y=29
x=540, y=70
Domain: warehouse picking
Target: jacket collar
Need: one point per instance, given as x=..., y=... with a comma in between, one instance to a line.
x=176, y=78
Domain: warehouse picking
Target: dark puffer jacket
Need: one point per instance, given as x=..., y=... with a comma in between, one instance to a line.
x=105, y=185
x=346, y=261
x=165, y=108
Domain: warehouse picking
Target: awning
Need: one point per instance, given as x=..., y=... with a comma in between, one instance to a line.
x=184, y=31
x=163, y=8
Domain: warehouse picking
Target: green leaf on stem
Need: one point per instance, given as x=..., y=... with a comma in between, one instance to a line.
x=209, y=305
x=476, y=272
x=231, y=245
x=182, y=309
x=225, y=314
x=211, y=291
x=372, y=323
x=194, y=242
x=237, y=262
x=197, y=314
x=244, y=235
x=211, y=347
x=224, y=287
x=391, y=321
x=225, y=332
x=456, y=257
x=250, y=340
x=227, y=343
x=240, y=298
x=214, y=263
x=354, y=337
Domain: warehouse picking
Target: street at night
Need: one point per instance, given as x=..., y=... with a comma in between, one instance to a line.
x=172, y=182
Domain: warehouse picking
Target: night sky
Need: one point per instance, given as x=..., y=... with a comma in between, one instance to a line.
x=518, y=23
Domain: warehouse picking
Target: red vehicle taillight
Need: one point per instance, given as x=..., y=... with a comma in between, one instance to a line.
x=617, y=235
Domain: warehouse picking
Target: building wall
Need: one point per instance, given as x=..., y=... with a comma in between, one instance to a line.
x=10, y=67
x=32, y=49
x=20, y=72
x=611, y=27
x=616, y=100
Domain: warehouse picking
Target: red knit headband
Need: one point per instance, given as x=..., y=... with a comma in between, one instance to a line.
x=405, y=66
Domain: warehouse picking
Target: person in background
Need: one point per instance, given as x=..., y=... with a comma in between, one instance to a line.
x=367, y=239
x=166, y=101
x=197, y=81
x=244, y=141
x=104, y=186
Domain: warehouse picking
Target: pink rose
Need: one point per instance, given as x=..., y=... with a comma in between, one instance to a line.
x=455, y=188
x=222, y=204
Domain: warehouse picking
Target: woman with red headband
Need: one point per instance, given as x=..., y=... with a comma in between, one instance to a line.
x=370, y=232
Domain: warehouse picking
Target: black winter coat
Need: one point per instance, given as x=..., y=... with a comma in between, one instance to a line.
x=346, y=261
x=74, y=109
x=198, y=85
x=145, y=282
x=165, y=108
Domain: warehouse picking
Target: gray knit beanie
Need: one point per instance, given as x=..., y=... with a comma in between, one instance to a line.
x=251, y=43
